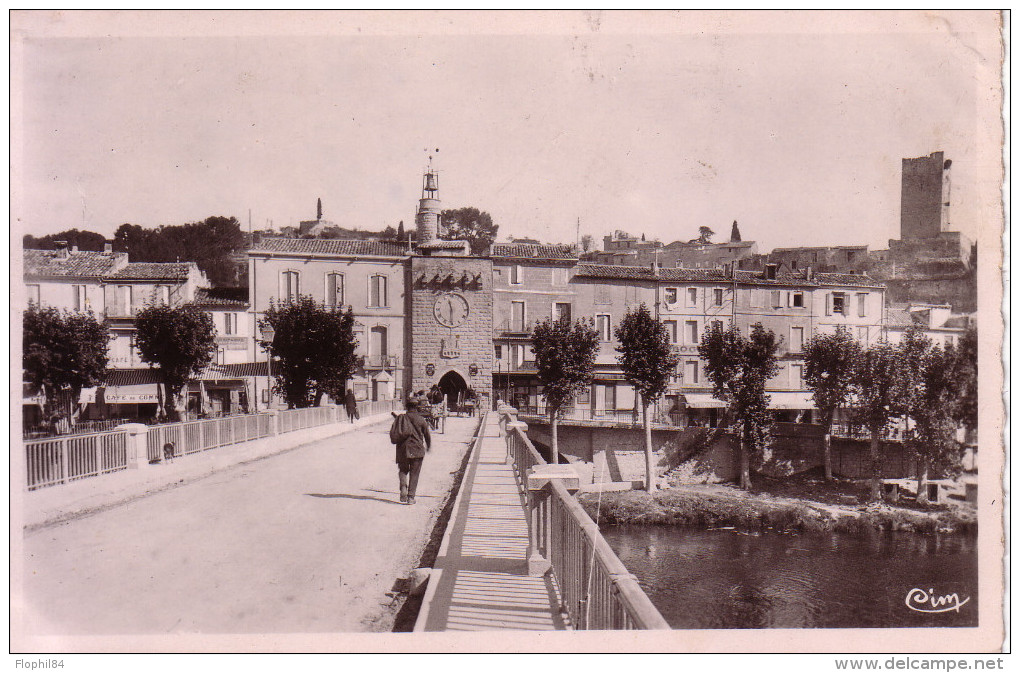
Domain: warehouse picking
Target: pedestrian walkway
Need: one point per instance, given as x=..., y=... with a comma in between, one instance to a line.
x=480, y=578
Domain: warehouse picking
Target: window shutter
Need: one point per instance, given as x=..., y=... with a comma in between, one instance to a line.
x=828, y=303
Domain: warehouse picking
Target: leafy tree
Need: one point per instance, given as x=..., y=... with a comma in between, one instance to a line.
x=831, y=360
x=875, y=401
x=933, y=438
x=179, y=342
x=565, y=353
x=647, y=361
x=734, y=232
x=62, y=353
x=85, y=240
x=209, y=243
x=471, y=225
x=964, y=365
x=705, y=234
x=587, y=242
x=739, y=368
x=313, y=350
x=400, y=231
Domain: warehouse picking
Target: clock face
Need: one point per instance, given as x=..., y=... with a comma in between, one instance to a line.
x=451, y=310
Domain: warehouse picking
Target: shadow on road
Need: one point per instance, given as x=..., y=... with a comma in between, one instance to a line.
x=354, y=497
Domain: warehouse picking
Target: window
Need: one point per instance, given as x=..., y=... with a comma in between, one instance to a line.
x=757, y=298
x=220, y=356
x=290, y=285
x=793, y=265
x=517, y=316
x=777, y=299
x=717, y=325
x=797, y=300
x=497, y=351
x=334, y=290
x=691, y=332
x=604, y=327
x=692, y=297
x=796, y=376
x=691, y=372
x=671, y=295
x=81, y=302
x=862, y=336
x=33, y=294
x=610, y=396
x=516, y=355
x=862, y=301
x=515, y=274
x=837, y=303
x=123, y=300
x=671, y=330
x=561, y=312
x=377, y=346
x=161, y=295
x=796, y=339
x=230, y=323
x=603, y=294
x=377, y=291
x=717, y=296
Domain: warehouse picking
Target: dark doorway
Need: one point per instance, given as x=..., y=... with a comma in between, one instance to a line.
x=453, y=386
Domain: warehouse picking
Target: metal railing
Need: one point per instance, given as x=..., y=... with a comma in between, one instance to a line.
x=620, y=416
x=66, y=458
x=71, y=457
x=596, y=589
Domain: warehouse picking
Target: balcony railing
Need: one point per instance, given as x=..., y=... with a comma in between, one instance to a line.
x=382, y=361
x=511, y=328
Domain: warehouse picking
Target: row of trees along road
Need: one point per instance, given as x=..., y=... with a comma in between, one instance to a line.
x=931, y=388
x=565, y=354
x=64, y=352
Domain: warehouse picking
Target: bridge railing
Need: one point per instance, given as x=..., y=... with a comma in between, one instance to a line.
x=631, y=417
x=596, y=589
x=67, y=458
x=59, y=460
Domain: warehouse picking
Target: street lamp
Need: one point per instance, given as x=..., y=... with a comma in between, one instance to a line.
x=267, y=337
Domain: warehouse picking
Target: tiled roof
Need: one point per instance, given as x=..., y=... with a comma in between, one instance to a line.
x=532, y=251
x=153, y=271
x=645, y=273
x=719, y=275
x=131, y=377
x=221, y=297
x=898, y=317
x=330, y=246
x=76, y=264
x=854, y=279
x=234, y=371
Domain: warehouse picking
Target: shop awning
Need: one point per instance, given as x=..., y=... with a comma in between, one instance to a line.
x=791, y=400
x=702, y=401
x=141, y=393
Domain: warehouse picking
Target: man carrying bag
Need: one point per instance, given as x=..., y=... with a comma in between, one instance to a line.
x=410, y=433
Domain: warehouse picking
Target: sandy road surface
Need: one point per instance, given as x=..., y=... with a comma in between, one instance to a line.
x=308, y=541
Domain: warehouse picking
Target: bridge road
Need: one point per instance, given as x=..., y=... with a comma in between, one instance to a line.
x=307, y=541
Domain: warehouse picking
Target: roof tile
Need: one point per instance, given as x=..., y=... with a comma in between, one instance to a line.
x=532, y=251
x=330, y=246
x=83, y=263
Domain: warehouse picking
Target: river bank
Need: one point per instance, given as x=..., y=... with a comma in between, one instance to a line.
x=719, y=505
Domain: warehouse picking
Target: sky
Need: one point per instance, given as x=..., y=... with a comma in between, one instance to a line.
x=653, y=123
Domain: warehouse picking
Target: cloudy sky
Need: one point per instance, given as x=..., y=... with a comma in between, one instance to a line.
x=794, y=125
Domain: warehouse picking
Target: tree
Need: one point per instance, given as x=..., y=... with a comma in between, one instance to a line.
x=471, y=225
x=739, y=368
x=565, y=353
x=734, y=232
x=647, y=360
x=875, y=403
x=400, y=231
x=964, y=363
x=933, y=438
x=62, y=353
x=84, y=240
x=313, y=350
x=705, y=234
x=831, y=360
x=209, y=243
x=179, y=342
x=587, y=242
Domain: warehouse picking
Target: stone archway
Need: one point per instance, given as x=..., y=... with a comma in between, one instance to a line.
x=453, y=386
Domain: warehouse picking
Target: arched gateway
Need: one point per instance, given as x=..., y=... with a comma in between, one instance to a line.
x=454, y=387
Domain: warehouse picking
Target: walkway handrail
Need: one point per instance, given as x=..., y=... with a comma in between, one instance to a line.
x=597, y=590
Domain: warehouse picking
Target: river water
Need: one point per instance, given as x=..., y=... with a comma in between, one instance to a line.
x=725, y=579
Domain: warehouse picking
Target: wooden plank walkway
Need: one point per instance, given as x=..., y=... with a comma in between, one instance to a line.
x=480, y=580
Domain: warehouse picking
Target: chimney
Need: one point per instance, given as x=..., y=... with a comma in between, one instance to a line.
x=809, y=273
x=107, y=246
x=61, y=249
x=74, y=249
x=655, y=268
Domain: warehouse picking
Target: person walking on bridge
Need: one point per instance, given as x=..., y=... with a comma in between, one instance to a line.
x=410, y=433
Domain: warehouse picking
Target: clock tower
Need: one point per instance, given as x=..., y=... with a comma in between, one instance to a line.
x=449, y=309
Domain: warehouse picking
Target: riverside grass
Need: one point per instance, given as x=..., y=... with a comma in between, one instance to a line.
x=755, y=513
